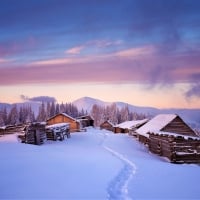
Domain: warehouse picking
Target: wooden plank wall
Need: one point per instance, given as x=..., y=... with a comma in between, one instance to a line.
x=176, y=149
x=179, y=126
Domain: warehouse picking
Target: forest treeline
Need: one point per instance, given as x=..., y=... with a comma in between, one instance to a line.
x=24, y=113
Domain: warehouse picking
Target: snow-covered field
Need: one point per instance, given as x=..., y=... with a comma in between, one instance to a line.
x=92, y=165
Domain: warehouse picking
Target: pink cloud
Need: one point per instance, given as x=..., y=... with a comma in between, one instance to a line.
x=139, y=65
x=75, y=50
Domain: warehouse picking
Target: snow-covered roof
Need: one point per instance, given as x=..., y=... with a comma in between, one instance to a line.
x=131, y=124
x=177, y=135
x=108, y=121
x=156, y=124
x=3, y=127
x=84, y=116
x=66, y=115
x=57, y=125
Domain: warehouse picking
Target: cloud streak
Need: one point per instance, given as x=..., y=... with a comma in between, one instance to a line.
x=38, y=99
x=136, y=65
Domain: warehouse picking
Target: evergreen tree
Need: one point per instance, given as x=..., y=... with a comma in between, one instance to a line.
x=48, y=110
x=13, y=117
x=57, y=111
x=62, y=108
x=52, y=109
x=42, y=113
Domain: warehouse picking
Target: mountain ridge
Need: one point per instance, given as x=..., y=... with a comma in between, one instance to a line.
x=191, y=116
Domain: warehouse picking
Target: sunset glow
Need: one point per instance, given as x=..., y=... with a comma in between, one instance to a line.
x=139, y=52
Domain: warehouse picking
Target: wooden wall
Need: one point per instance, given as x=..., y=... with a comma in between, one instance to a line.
x=106, y=125
x=179, y=126
x=121, y=130
x=74, y=125
x=176, y=149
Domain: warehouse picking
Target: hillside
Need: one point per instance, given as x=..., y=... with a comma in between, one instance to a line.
x=191, y=116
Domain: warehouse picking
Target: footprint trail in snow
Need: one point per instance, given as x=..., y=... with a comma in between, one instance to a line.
x=118, y=187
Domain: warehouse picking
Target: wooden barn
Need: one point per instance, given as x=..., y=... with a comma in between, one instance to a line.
x=86, y=121
x=169, y=136
x=64, y=118
x=107, y=125
x=129, y=126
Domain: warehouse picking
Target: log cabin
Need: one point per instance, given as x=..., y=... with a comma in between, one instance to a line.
x=108, y=125
x=164, y=122
x=86, y=121
x=169, y=136
x=64, y=118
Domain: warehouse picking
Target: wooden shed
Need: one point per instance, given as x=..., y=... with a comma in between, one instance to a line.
x=108, y=125
x=129, y=126
x=164, y=122
x=86, y=121
x=34, y=133
x=64, y=118
x=169, y=136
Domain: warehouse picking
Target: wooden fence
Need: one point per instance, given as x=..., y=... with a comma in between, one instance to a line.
x=178, y=149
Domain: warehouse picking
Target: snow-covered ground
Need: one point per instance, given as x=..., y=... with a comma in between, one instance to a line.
x=92, y=165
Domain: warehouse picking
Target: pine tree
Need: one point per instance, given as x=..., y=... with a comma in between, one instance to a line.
x=57, y=111
x=42, y=113
x=52, y=109
x=13, y=117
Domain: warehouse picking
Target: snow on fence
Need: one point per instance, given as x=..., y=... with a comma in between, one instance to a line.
x=58, y=131
x=177, y=148
x=10, y=129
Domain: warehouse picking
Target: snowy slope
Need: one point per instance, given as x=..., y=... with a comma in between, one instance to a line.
x=92, y=165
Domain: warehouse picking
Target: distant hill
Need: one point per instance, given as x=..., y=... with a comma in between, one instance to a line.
x=191, y=116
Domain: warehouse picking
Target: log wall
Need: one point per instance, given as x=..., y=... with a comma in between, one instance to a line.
x=176, y=149
x=179, y=126
x=74, y=125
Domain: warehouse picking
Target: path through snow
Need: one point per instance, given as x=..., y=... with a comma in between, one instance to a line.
x=118, y=187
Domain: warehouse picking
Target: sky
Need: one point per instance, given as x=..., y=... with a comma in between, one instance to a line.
x=143, y=52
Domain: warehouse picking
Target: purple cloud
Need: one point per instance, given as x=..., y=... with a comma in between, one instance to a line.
x=38, y=99
x=194, y=91
x=141, y=65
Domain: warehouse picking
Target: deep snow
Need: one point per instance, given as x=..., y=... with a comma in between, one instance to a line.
x=92, y=165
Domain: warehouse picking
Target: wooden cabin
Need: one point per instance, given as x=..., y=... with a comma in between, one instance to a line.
x=64, y=118
x=108, y=125
x=169, y=136
x=86, y=121
x=166, y=123
x=129, y=126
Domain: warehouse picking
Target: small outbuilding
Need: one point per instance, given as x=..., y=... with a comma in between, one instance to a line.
x=34, y=133
x=64, y=118
x=129, y=126
x=86, y=121
x=108, y=125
